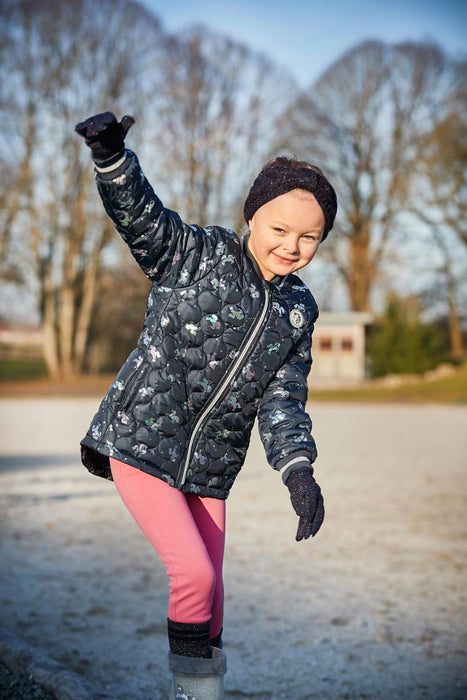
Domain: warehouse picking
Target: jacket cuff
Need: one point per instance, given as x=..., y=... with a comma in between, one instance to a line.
x=292, y=463
x=113, y=167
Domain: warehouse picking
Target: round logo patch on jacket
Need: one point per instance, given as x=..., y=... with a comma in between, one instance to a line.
x=296, y=317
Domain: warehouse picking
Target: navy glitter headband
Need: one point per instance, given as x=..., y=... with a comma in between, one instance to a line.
x=277, y=180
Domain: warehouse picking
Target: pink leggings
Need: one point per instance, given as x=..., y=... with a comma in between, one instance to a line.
x=188, y=533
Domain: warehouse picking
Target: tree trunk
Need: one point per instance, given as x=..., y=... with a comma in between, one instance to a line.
x=83, y=321
x=66, y=316
x=90, y=287
x=50, y=342
x=455, y=334
x=454, y=326
x=359, y=272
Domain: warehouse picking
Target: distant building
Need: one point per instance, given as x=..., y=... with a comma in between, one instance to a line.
x=339, y=348
x=20, y=343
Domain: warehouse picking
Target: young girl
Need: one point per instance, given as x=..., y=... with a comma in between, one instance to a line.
x=226, y=339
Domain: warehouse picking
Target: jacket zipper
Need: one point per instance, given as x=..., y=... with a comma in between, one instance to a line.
x=225, y=383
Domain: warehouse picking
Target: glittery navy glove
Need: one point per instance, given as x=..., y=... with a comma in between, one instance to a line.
x=105, y=136
x=307, y=502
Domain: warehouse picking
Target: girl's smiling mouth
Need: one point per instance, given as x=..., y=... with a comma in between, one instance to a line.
x=284, y=261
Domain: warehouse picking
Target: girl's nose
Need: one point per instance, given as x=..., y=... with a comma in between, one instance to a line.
x=290, y=244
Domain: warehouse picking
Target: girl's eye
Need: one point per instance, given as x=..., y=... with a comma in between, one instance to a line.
x=278, y=230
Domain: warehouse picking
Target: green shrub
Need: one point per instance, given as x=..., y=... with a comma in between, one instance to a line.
x=401, y=343
x=11, y=370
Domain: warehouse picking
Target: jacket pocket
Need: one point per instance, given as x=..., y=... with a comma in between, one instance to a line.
x=127, y=380
x=128, y=392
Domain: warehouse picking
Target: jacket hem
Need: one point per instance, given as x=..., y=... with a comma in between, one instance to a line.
x=96, y=458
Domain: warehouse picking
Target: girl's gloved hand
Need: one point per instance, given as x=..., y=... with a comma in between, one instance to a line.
x=307, y=502
x=105, y=136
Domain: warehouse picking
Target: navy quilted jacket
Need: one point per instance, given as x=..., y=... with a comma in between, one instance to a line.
x=219, y=346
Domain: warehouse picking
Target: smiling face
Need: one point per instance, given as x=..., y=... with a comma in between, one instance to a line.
x=286, y=233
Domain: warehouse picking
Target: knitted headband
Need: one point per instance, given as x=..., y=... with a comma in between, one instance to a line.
x=277, y=180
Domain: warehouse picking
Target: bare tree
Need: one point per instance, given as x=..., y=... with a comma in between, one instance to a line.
x=364, y=121
x=215, y=125
x=439, y=199
x=205, y=108
x=447, y=284
x=63, y=60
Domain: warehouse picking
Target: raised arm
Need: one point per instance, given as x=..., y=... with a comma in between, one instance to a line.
x=168, y=250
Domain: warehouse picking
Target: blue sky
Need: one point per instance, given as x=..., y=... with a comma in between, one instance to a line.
x=306, y=36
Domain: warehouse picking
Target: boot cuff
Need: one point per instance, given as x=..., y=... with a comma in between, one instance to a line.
x=190, y=666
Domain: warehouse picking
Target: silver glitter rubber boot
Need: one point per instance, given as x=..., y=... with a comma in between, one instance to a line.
x=198, y=679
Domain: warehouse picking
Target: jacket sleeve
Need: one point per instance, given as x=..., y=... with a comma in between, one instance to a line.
x=168, y=250
x=284, y=425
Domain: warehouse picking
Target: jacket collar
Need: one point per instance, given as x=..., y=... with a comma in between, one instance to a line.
x=278, y=280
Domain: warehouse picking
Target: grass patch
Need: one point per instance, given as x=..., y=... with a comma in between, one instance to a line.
x=12, y=370
x=451, y=389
